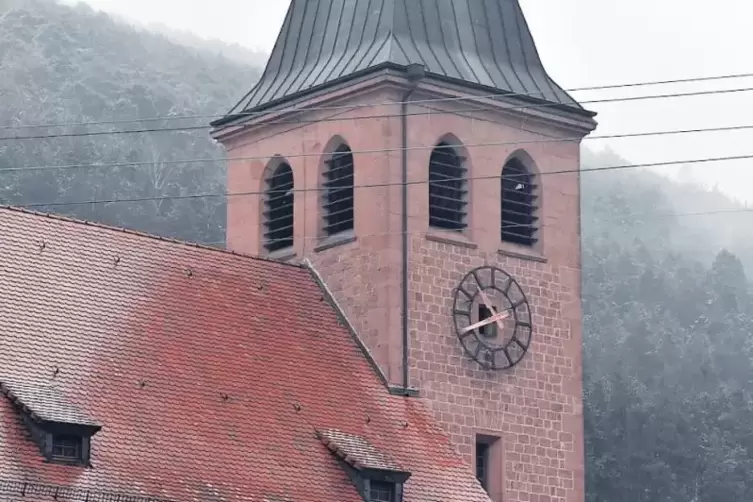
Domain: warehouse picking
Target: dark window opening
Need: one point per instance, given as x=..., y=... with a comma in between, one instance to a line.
x=519, y=208
x=338, y=192
x=278, y=213
x=66, y=448
x=381, y=491
x=447, y=189
x=482, y=463
x=488, y=330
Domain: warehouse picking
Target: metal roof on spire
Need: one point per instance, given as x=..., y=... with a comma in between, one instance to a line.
x=482, y=43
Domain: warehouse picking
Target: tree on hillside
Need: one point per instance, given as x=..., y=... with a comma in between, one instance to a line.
x=64, y=65
x=668, y=359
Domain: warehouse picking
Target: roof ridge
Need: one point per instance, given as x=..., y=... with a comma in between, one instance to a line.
x=141, y=235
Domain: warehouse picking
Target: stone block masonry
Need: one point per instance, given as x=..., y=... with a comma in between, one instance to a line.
x=531, y=413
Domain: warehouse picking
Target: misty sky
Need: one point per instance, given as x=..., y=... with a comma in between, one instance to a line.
x=582, y=43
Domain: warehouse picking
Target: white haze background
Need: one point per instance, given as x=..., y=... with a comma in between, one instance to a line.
x=583, y=43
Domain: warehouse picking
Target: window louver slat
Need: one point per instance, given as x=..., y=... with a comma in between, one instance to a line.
x=338, y=204
x=519, y=205
x=447, y=189
x=278, y=214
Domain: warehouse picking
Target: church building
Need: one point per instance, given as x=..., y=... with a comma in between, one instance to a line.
x=396, y=317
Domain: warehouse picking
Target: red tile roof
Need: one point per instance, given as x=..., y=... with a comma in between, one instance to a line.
x=210, y=373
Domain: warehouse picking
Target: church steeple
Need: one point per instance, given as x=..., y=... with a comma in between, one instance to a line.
x=445, y=224
x=484, y=44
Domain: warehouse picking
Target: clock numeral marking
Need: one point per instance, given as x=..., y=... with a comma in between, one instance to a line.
x=477, y=351
x=465, y=313
x=465, y=292
x=491, y=359
x=478, y=281
x=507, y=287
x=520, y=344
x=507, y=355
x=465, y=334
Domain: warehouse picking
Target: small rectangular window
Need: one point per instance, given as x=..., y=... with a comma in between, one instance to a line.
x=381, y=491
x=482, y=463
x=66, y=448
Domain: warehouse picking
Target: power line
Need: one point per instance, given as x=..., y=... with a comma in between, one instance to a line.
x=391, y=115
x=379, y=185
x=382, y=150
x=421, y=232
x=331, y=108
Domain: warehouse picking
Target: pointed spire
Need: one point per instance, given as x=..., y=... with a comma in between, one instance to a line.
x=485, y=44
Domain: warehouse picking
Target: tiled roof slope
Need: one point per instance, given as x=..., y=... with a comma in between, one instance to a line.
x=357, y=451
x=209, y=372
x=44, y=402
x=485, y=43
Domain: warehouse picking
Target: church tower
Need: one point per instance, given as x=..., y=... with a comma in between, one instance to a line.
x=419, y=157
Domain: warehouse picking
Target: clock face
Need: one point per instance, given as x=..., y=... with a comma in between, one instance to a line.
x=492, y=318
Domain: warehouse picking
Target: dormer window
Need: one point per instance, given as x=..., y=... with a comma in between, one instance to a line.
x=381, y=491
x=60, y=430
x=375, y=474
x=66, y=448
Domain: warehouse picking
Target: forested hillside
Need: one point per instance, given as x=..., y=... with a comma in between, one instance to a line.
x=668, y=347
x=668, y=306
x=72, y=65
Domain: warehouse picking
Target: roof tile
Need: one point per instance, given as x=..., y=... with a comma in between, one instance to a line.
x=44, y=402
x=210, y=386
x=357, y=451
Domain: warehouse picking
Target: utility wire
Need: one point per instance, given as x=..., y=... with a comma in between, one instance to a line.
x=373, y=151
x=337, y=119
x=326, y=108
x=378, y=185
x=421, y=232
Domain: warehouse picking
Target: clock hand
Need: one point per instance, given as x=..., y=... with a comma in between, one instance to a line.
x=494, y=318
x=491, y=308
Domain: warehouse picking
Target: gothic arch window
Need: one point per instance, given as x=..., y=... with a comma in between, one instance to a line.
x=520, y=221
x=278, y=208
x=447, y=188
x=338, y=191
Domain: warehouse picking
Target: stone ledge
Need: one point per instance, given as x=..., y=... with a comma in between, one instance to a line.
x=523, y=255
x=453, y=239
x=336, y=240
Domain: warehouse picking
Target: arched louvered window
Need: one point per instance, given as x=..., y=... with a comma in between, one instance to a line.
x=338, y=192
x=278, y=209
x=520, y=221
x=447, y=189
